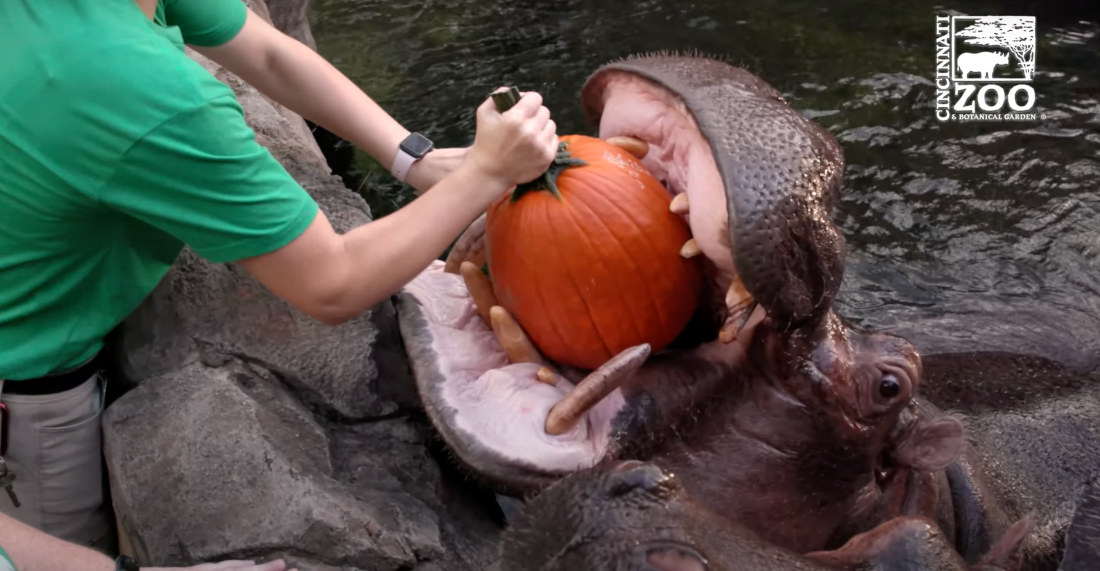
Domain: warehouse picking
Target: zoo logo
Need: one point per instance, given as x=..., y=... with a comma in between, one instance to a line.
x=984, y=64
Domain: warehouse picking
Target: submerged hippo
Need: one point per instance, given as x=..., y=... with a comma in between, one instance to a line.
x=632, y=516
x=778, y=412
x=1034, y=432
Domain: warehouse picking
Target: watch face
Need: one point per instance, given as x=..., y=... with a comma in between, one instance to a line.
x=416, y=145
x=124, y=563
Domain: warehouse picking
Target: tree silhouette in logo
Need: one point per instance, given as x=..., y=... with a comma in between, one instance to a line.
x=1016, y=33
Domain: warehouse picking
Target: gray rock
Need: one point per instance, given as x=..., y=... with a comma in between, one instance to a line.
x=216, y=461
x=211, y=463
x=292, y=17
x=254, y=431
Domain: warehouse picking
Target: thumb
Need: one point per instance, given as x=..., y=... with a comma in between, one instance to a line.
x=489, y=106
x=241, y=565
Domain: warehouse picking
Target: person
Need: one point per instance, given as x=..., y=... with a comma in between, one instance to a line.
x=29, y=549
x=117, y=149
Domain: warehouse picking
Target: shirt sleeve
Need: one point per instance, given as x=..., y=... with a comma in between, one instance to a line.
x=206, y=23
x=6, y=564
x=202, y=177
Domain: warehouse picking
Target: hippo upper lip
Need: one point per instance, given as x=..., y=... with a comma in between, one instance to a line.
x=781, y=173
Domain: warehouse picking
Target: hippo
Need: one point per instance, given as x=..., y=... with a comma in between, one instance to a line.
x=631, y=515
x=1033, y=427
x=776, y=408
x=1083, y=535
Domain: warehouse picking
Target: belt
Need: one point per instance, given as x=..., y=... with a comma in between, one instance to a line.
x=54, y=383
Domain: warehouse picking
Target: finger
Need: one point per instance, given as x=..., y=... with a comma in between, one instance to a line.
x=549, y=136
x=528, y=105
x=487, y=106
x=276, y=565
x=232, y=564
x=542, y=116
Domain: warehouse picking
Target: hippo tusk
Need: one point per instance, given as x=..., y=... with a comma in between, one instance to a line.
x=513, y=339
x=736, y=321
x=632, y=145
x=736, y=295
x=739, y=307
x=690, y=249
x=679, y=204
x=470, y=247
x=593, y=388
x=477, y=283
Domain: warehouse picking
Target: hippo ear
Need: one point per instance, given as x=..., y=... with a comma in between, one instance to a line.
x=932, y=445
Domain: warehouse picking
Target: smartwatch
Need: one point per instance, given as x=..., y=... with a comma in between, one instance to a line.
x=412, y=149
x=124, y=563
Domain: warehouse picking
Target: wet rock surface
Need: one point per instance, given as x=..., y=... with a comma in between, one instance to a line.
x=255, y=431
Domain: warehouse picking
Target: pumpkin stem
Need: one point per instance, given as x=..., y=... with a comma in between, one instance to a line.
x=549, y=179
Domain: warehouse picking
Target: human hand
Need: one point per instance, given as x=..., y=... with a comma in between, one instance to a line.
x=434, y=166
x=233, y=565
x=515, y=146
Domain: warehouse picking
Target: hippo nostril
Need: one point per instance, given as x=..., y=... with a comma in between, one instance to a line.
x=632, y=475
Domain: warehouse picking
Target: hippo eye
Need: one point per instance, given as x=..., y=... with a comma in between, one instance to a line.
x=889, y=387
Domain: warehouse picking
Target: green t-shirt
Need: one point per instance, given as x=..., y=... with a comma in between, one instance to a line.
x=116, y=149
x=6, y=564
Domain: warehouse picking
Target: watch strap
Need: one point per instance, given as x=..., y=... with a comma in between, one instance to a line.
x=401, y=164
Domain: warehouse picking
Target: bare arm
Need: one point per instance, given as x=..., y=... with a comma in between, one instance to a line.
x=294, y=75
x=334, y=277
x=33, y=550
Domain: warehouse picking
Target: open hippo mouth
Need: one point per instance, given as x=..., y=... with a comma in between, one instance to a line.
x=759, y=180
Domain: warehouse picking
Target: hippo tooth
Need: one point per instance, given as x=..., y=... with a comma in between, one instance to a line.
x=739, y=307
x=679, y=204
x=690, y=249
x=513, y=339
x=728, y=332
x=632, y=145
x=593, y=388
x=469, y=247
x=736, y=320
x=546, y=375
x=736, y=295
x=480, y=289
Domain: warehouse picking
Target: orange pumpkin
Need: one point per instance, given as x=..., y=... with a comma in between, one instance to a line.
x=588, y=260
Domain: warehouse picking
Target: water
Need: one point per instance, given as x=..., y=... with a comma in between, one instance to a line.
x=938, y=217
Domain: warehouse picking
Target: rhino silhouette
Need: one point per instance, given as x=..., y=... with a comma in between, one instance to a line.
x=981, y=62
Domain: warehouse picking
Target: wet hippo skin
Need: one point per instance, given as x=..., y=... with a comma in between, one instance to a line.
x=1083, y=536
x=635, y=516
x=1033, y=431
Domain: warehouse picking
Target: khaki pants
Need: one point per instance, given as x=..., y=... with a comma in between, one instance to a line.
x=55, y=449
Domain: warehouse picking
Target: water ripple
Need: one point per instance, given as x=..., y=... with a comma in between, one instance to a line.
x=935, y=214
